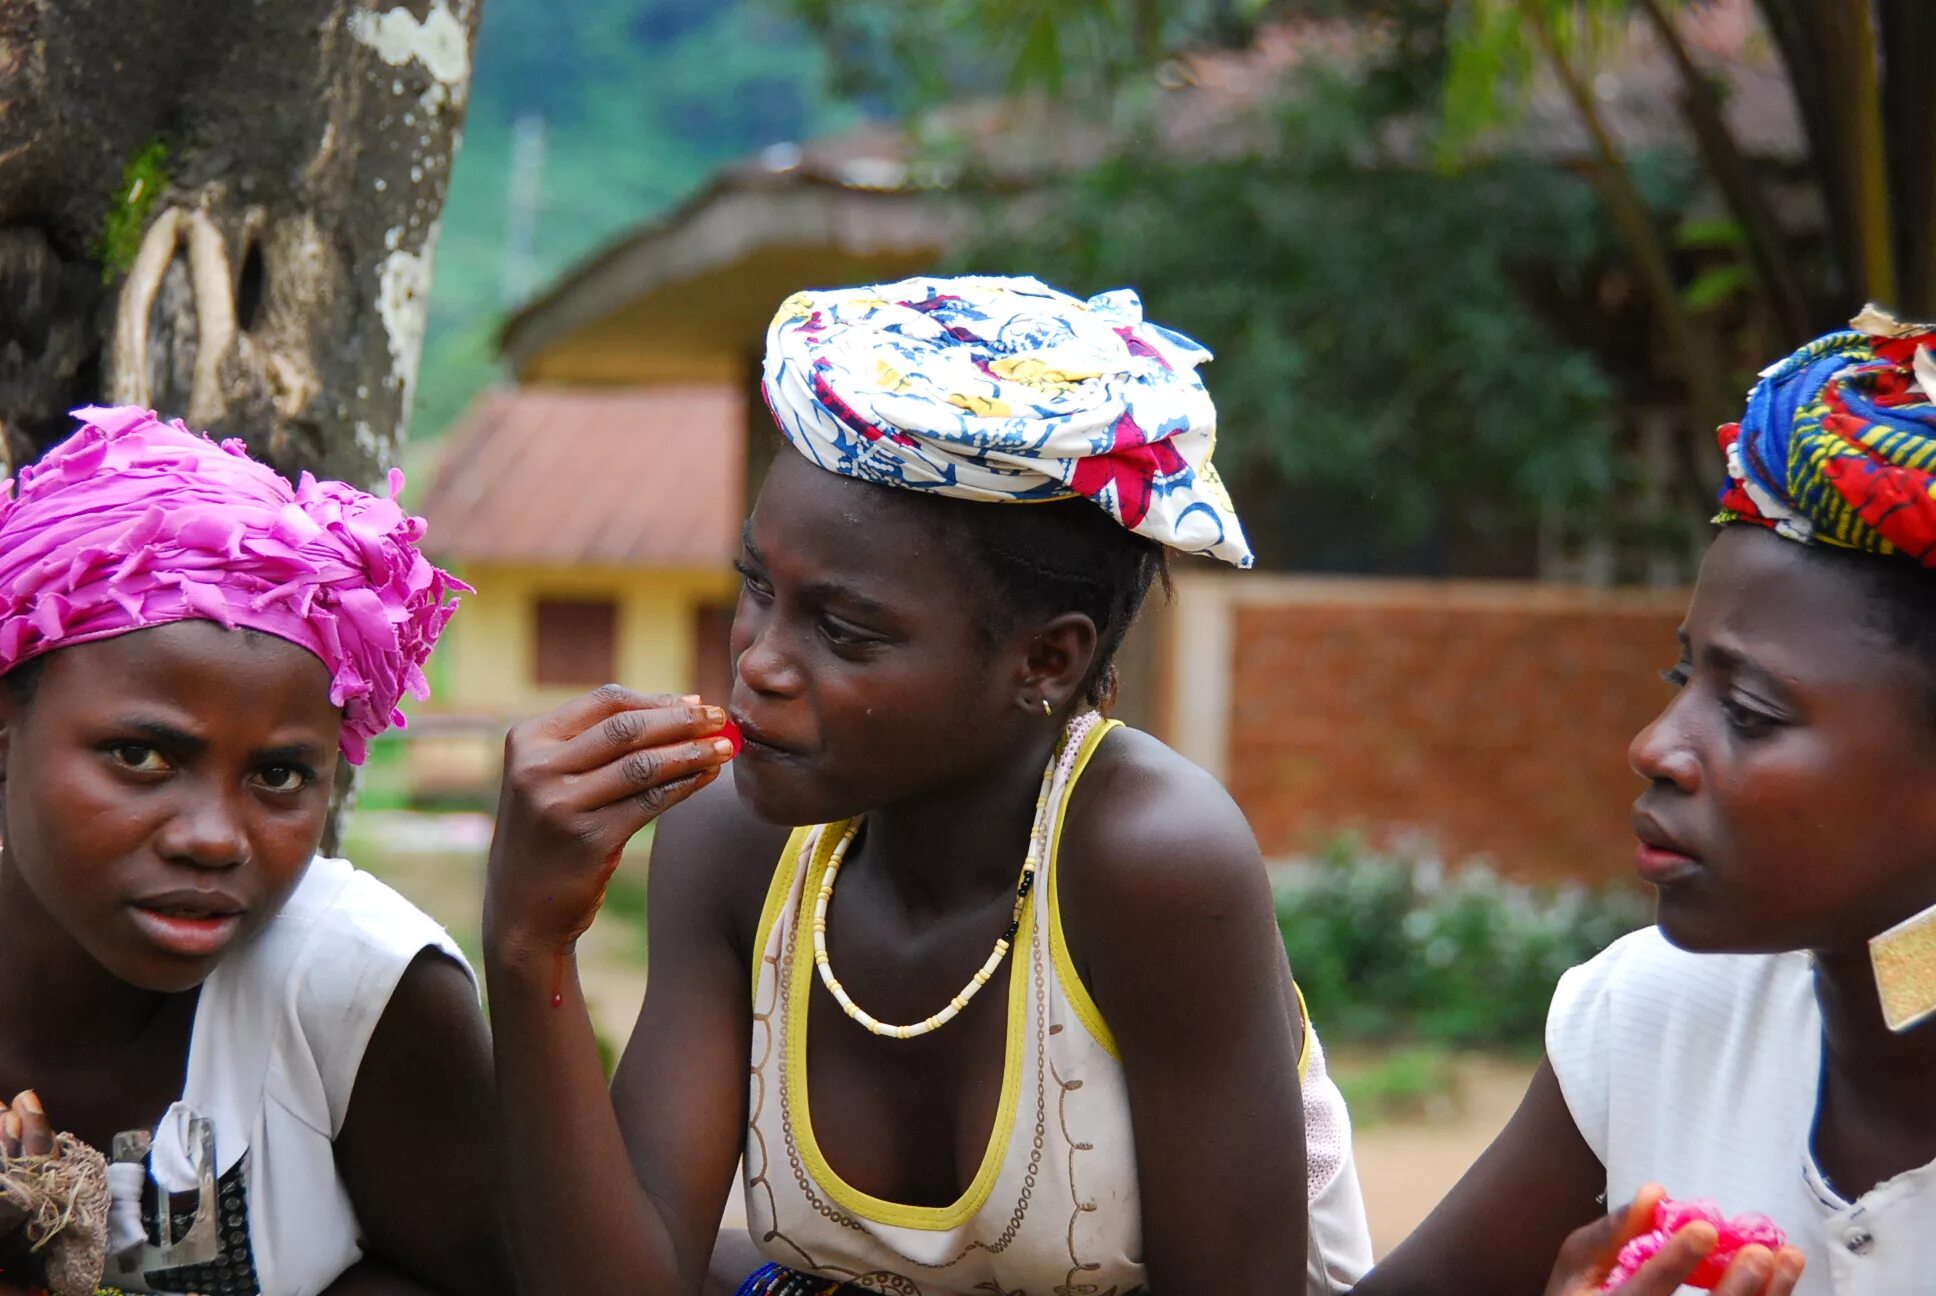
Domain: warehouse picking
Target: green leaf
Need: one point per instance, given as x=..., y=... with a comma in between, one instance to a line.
x=1722, y=232
x=1716, y=285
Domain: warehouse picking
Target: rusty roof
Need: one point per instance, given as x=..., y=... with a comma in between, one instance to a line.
x=559, y=476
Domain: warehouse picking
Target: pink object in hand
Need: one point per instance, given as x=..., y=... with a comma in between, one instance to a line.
x=1670, y=1217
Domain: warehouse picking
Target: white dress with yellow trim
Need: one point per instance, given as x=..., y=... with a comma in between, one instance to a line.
x=1054, y=1209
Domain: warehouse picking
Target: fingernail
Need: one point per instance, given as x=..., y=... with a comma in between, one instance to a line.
x=692, y=698
x=712, y=715
x=29, y=1102
x=723, y=747
x=10, y=1125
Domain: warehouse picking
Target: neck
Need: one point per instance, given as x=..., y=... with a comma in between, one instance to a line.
x=49, y=985
x=960, y=844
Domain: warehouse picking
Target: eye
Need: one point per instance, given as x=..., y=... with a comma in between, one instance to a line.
x=1746, y=720
x=1676, y=675
x=846, y=638
x=754, y=582
x=139, y=758
x=284, y=778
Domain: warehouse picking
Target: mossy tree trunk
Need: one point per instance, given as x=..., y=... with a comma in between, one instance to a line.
x=225, y=210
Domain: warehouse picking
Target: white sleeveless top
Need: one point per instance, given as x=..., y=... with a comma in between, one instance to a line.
x=1701, y=1072
x=279, y=1034
x=1054, y=1207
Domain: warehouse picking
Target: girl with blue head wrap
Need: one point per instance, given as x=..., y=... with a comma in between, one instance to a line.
x=1769, y=1045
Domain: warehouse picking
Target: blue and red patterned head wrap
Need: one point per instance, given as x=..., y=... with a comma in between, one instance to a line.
x=1006, y=390
x=1838, y=444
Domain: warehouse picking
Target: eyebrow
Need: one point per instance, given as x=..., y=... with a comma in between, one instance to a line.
x=164, y=734
x=820, y=591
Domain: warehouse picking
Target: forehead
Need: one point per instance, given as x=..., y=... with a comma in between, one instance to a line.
x=195, y=665
x=816, y=525
x=1795, y=612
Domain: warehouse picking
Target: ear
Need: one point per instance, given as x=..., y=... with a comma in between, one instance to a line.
x=1056, y=660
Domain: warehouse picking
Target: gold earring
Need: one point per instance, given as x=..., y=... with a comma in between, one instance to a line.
x=1048, y=710
x=1904, y=959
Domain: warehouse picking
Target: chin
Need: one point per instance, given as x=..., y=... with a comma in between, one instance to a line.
x=784, y=796
x=1710, y=927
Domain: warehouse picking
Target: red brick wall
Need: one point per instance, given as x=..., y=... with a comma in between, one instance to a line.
x=1496, y=717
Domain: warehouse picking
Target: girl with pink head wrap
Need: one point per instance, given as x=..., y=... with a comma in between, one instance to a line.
x=283, y=1058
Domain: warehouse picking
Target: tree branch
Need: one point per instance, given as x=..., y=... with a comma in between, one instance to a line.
x=1646, y=246
x=1732, y=175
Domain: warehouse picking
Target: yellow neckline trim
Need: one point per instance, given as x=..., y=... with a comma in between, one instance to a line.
x=777, y=891
x=1080, y=1001
x=864, y=1205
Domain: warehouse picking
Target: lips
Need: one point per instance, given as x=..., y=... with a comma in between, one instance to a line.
x=189, y=923
x=1660, y=858
x=757, y=742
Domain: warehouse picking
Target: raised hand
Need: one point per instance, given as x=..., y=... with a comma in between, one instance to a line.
x=579, y=782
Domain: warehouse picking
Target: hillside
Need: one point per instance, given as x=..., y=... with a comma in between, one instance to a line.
x=640, y=100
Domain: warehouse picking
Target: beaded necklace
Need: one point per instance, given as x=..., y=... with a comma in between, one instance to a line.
x=1055, y=786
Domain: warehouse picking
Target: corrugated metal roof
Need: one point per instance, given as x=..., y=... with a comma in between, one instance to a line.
x=553, y=476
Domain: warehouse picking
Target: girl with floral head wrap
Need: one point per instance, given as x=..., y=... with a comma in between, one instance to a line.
x=283, y=1057
x=985, y=990
x=1771, y=1043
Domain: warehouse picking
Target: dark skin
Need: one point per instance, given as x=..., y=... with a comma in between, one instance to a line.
x=1797, y=716
x=867, y=683
x=187, y=769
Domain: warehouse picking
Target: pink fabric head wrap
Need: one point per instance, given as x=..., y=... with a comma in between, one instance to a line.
x=132, y=522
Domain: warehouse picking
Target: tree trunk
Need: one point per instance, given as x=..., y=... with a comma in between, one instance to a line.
x=225, y=210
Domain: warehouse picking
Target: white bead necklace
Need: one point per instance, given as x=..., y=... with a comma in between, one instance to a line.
x=1055, y=786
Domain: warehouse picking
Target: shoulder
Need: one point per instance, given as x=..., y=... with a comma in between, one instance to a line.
x=1644, y=1013
x=711, y=853
x=1161, y=891
x=1644, y=984
x=333, y=959
x=1148, y=828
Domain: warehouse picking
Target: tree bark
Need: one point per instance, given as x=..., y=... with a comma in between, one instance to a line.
x=225, y=210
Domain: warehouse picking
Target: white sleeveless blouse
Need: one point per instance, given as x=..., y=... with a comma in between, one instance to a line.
x=1054, y=1208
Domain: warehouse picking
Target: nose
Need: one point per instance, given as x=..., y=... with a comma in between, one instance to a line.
x=765, y=665
x=1663, y=752
x=206, y=832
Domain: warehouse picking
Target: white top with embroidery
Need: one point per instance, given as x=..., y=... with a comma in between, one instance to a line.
x=1700, y=1072
x=279, y=1034
x=1054, y=1207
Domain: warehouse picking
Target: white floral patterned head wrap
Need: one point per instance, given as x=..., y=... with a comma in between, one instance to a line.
x=1005, y=390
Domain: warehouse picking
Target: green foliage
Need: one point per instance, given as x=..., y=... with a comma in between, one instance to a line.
x=1392, y=945
x=142, y=183
x=642, y=100
x=1493, y=55
x=1370, y=316
x=934, y=51
x=1407, y=1083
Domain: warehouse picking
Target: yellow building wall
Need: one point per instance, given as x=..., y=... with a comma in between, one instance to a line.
x=484, y=663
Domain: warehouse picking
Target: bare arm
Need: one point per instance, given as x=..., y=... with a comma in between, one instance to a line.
x=1535, y=1194
x=1539, y=1175
x=1169, y=912
x=414, y=1151
x=578, y=784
